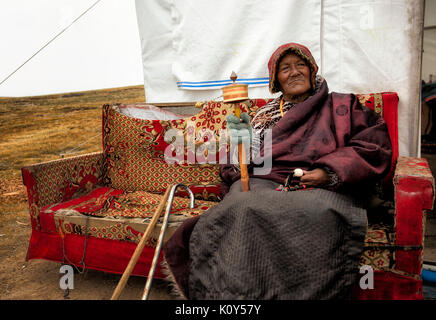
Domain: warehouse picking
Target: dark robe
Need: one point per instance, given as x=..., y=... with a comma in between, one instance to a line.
x=267, y=244
x=326, y=130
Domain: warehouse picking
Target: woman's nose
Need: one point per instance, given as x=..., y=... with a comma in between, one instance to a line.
x=294, y=71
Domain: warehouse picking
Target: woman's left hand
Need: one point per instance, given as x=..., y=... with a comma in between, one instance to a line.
x=315, y=178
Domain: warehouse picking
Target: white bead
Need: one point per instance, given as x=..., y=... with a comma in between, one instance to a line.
x=298, y=173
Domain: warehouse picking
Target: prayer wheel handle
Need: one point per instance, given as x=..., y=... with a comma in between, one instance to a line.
x=235, y=94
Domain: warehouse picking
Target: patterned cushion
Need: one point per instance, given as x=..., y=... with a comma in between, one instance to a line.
x=108, y=202
x=377, y=258
x=134, y=157
x=136, y=151
x=381, y=252
x=128, y=213
x=210, y=123
x=377, y=251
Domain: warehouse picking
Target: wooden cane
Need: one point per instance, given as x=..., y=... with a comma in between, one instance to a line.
x=135, y=257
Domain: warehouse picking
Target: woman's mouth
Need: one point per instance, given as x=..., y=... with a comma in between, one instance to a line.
x=293, y=81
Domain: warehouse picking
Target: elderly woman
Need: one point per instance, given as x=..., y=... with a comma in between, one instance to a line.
x=305, y=244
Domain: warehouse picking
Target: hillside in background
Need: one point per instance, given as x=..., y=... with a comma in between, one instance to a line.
x=41, y=128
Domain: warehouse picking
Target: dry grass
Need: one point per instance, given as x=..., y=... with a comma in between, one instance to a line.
x=38, y=129
x=41, y=128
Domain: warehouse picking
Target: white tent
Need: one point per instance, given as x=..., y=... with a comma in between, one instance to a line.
x=429, y=55
x=100, y=50
x=189, y=48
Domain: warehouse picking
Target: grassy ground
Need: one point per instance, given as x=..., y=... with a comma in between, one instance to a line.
x=41, y=128
x=38, y=129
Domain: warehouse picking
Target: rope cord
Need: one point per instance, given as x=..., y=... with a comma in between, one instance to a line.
x=82, y=262
x=79, y=145
x=65, y=29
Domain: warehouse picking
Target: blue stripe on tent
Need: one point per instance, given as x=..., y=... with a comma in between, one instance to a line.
x=216, y=85
x=221, y=81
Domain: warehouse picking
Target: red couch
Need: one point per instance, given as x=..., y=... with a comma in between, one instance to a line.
x=91, y=210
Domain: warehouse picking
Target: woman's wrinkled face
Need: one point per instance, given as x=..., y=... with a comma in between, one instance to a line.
x=293, y=75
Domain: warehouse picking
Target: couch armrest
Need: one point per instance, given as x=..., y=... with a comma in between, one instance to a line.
x=414, y=193
x=60, y=180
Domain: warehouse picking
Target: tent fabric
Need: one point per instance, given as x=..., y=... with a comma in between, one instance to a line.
x=360, y=46
x=187, y=44
x=376, y=47
x=211, y=41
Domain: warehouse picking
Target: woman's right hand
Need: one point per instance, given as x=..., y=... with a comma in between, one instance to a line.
x=315, y=178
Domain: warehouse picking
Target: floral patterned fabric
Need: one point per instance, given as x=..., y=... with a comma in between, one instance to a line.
x=134, y=157
x=108, y=202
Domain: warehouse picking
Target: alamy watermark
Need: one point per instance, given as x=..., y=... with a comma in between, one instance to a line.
x=210, y=147
x=366, y=17
x=367, y=280
x=67, y=280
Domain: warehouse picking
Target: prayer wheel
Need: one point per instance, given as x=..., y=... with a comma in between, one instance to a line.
x=235, y=92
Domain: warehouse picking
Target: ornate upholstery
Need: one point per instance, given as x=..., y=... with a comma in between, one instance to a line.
x=103, y=201
x=134, y=157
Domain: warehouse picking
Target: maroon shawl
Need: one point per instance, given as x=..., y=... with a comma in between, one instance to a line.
x=326, y=130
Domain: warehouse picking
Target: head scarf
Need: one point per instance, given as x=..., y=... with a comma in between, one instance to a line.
x=280, y=52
